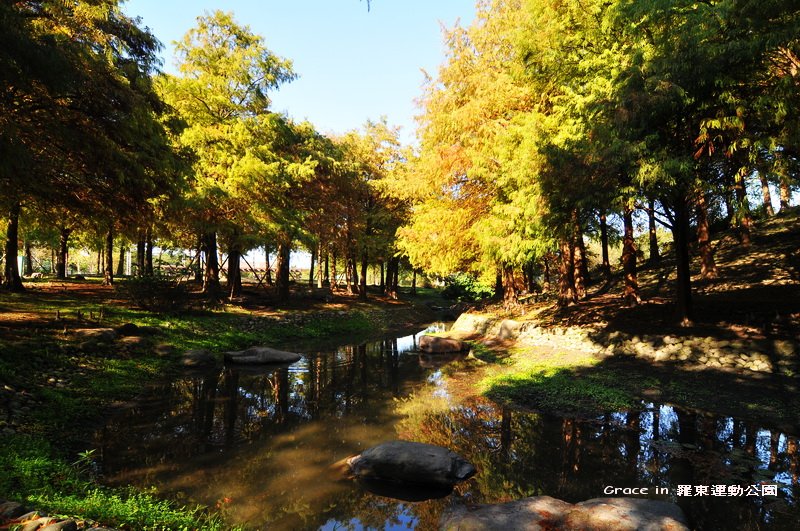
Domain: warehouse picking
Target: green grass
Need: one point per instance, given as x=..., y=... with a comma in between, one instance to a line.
x=32, y=472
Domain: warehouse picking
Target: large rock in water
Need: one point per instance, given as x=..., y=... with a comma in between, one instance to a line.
x=543, y=512
x=261, y=355
x=412, y=463
x=440, y=345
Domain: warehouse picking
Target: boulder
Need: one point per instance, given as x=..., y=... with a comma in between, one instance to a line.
x=64, y=525
x=261, y=355
x=198, y=359
x=411, y=463
x=440, y=345
x=544, y=512
x=527, y=514
x=626, y=514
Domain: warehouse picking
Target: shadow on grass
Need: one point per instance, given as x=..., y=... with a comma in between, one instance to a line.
x=615, y=384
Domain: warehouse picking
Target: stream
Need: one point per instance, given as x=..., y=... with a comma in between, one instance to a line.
x=262, y=446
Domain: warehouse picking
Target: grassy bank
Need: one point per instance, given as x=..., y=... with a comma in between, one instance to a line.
x=753, y=302
x=57, y=383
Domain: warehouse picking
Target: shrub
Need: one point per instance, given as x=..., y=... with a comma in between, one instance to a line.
x=155, y=294
x=465, y=287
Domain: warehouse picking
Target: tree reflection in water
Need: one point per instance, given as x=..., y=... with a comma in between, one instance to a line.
x=264, y=441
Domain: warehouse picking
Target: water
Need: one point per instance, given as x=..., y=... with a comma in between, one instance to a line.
x=260, y=445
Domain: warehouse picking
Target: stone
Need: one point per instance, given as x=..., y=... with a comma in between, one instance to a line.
x=78, y=277
x=261, y=355
x=626, y=514
x=411, y=463
x=65, y=525
x=440, y=345
x=470, y=323
x=198, y=359
x=164, y=349
x=39, y=523
x=509, y=329
x=12, y=509
x=104, y=335
x=528, y=514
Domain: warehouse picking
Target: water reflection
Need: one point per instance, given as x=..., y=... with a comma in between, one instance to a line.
x=260, y=444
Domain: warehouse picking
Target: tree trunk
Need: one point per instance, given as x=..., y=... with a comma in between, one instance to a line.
x=655, y=255
x=327, y=280
x=311, y=267
x=267, y=266
x=363, y=285
x=211, y=285
x=546, y=272
x=98, y=268
x=148, y=254
x=52, y=261
x=235, y=271
x=680, y=235
x=140, y=250
x=333, y=279
x=352, y=273
x=11, y=278
x=631, y=292
x=392, y=276
x=580, y=275
x=121, y=261
x=27, y=267
x=383, y=281
x=606, y=266
x=566, y=269
x=766, y=196
x=786, y=192
x=108, y=270
x=510, y=294
x=708, y=268
x=61, y=262
x=499, y=292
x=743, y=216
x=282, y=274
x=414, y=282
x=320, y=272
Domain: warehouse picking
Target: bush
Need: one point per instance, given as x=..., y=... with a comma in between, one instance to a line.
x=155, y=294
x=465, y=287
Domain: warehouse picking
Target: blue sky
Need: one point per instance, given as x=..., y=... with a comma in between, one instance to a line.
x=353, y=64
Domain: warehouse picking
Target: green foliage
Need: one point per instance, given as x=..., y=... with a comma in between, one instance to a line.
x=33, y=473
x=465, y=287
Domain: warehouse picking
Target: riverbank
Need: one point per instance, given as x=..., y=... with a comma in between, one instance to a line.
x=73, y=350
x=741, y=356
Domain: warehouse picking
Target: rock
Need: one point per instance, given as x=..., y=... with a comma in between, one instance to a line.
x=440, y=345
x=164, y=350
x=78, y=277
x=470, y=323
x=259, y=355
x=11, y=509
x=411, y=462
x=105, y=335
x=65, y=525
x=135, y=342
x=546, y=513
x=127, y=329
x=509, y=329
x=198, y=359
x=626, y=514
x=39, y=523
x=527, y=514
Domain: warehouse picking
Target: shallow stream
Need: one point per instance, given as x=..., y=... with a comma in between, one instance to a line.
x=260, y=445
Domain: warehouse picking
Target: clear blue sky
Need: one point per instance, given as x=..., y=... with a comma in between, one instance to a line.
x=353, y=64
